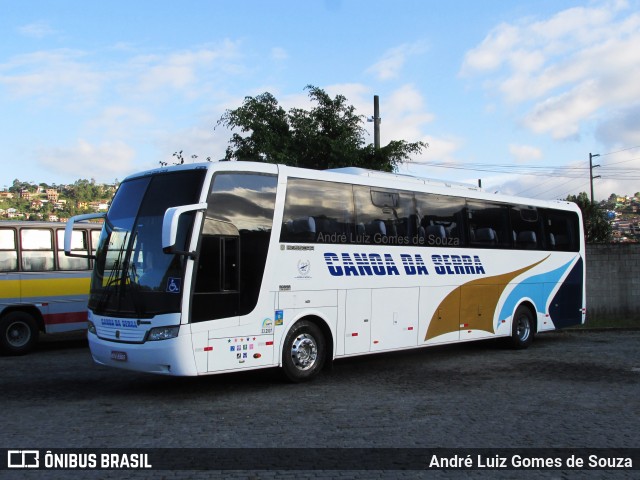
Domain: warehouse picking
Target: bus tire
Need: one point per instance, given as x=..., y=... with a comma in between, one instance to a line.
x=18, y=333
x=522, y=330
x=304, y=352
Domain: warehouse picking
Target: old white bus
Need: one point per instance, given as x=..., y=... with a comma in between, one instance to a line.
x=230, y=266
x=42, y=289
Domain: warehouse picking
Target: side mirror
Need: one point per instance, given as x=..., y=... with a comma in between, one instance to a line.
x=170, y=226
x=68, y=233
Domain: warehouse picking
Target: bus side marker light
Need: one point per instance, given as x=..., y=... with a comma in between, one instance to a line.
x=375, y=342
x=208, y=349
x=269, y=343
x=355, y=334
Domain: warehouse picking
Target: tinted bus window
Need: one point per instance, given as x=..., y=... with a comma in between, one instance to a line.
x=441, y=220
x=562, y=231
x=488, y=225
x=317, y=211
x=384, y=217
x=526, y=227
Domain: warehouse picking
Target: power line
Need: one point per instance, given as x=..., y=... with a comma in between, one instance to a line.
x=619, y=151
x=534, y=170
x=563, y=186
x=536, y=186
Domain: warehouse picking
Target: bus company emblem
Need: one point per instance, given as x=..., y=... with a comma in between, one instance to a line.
x=304, y=268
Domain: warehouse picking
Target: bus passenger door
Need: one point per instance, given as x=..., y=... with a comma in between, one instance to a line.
x=216, y=293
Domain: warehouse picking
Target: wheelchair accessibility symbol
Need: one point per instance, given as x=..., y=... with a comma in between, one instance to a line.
x=174, y=285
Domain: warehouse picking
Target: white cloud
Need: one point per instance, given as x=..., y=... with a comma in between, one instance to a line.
x=493, y=51
x=524, y=153
x=404, y=115
x=279, y=54
x=441, y=148
x=104, y=162
x=561, y=115
x=393, y=60
x=576, y=66
x=621, y=129
x=118, y=121
x=36, y=30
x=50, y=76
x=190, y=72
x=74, y=76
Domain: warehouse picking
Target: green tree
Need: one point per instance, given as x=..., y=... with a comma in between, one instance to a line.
x=330, y=135
x=597, y=226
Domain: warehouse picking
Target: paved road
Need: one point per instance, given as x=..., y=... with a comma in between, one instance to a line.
x=570, y=389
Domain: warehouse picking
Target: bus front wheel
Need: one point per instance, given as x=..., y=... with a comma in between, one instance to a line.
x=304, y=352
x=522, y=330
x=18, y=333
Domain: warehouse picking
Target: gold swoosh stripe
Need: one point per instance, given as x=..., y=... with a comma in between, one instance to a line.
x=475, y=302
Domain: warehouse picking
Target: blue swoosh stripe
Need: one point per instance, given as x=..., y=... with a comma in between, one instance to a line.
x=538, y=288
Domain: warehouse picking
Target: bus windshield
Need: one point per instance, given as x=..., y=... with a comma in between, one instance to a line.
x=133, y=277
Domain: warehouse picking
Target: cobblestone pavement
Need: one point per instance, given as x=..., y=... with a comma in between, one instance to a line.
x=570, y=389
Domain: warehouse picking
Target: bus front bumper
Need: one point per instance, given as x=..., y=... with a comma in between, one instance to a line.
x=166, y=357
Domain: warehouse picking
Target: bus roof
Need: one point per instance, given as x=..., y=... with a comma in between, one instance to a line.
x=364, y=172
x=372, y=177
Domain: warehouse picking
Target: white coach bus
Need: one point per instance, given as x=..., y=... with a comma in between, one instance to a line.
x=230, y=266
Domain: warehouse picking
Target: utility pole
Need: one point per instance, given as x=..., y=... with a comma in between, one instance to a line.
x=591, y=167
x=376, y=122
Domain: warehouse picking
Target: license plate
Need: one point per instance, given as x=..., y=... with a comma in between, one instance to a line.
x=119, y=356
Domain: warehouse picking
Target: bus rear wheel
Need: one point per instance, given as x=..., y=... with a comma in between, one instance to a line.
x=522, y=330
x=18, y=333
x=304, y=352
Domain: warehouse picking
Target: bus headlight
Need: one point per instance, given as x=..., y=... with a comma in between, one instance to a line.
x=91, y=327
x=163, y=333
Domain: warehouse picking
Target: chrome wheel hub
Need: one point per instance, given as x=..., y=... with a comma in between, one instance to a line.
x=304, y=351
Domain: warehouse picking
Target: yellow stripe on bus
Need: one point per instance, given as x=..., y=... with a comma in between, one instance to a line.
x=45, y=288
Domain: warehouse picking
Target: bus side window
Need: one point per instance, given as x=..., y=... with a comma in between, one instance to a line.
x=489, y=225
x=78, y=245
x=526, y=228
x=561, y=230
x=8, y=251
x=95, y=238
x=317, y=212
x=385, y=216
x=441, y=220
x=37, y=249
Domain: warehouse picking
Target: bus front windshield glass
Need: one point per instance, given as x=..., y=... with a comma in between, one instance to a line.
x=133, y=277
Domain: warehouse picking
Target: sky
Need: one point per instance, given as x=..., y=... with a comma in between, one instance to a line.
x=516, y=94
